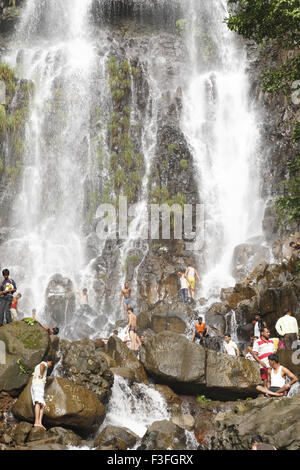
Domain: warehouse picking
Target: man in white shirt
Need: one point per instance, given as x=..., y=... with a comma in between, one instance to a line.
x=38, y=391
x=184, y=292
x=231, y=347
x=287, y=327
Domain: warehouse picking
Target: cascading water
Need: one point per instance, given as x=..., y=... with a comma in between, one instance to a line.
x=221, y=126
x=57, y=55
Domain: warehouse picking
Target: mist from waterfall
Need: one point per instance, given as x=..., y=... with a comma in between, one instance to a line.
x=221, y=126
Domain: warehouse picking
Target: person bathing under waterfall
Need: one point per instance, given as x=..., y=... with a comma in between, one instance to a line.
x=277, y=385
x=191, y=274
x=132, y=328
x=126, y=298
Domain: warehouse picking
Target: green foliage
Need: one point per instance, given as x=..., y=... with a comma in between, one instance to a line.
x=183, y=164
x=181, y=26
x=288, y=206
x=279, y=80
x=267, y=19
x=203, y=399
x=30, y=321
x=22, y=368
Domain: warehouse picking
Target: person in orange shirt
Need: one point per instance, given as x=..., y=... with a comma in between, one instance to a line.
x=201, y=330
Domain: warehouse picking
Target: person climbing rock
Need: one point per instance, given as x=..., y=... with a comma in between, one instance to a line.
x=287, y=327
x=295, y=246
x=277, y=385
x=14, y=307
x=132, y=328
x=126, y=298
x=231, y=347
x=7, y=289
x=258, y=444
x=52, y=331
x=184, y=291
x=201, y=330
x=262, y=349
x=38, y=391
x=190, y=274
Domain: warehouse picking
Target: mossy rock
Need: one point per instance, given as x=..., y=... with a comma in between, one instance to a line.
x=25, y=347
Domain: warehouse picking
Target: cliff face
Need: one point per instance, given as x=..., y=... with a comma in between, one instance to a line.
x=142, y=37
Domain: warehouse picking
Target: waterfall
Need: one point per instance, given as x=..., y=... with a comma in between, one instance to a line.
x=221, y=126
x=134, y=410
x=56, y=53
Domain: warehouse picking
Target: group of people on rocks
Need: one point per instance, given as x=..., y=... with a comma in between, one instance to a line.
x=277, y=379
x=188, y=283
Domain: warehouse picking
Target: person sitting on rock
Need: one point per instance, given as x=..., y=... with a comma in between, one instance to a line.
x=248, y=353
x=190, y=275
x=258, y=444
x=201, y=330
x=277, y=385
x=132, y=328
x=295, y=246
x=38, y=391
x=262, y=349
x=126, y=298
x=230, y=346
x=7, y=289
x=14, y=307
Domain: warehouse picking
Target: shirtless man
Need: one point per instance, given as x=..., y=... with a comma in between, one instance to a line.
x=126, y=297
x=132, y=328
x=190, y=274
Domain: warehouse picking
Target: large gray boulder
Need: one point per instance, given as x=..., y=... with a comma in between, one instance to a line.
x=125, y=358
x=186, y=367
x=276, y=420
x=85, y=364
x=25, y=347
x=116, y=437
x=163, y=435
x=67, y=404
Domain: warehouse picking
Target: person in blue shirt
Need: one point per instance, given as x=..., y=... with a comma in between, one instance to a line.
x=7, y=289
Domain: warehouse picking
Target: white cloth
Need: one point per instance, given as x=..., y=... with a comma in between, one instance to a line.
x=37, y=394
x=230, y=348
x=287, y=324
x=14, y=314
x=36, y=381
x=183, y=283
x=249, y=357
x=256, y=330
x=276, y=379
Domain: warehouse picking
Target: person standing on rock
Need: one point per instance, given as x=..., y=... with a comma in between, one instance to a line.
x=132, y=329
x=256, y=322
x=231, y=347
x=263, y=347
x=14, y=307
x=7, y=289
x=277, y=385
x=190, y=274
x=184, y=291
x=287, y=327
x=38, y=391
x=126, y=298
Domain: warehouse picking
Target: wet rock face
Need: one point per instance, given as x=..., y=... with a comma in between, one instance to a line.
x=167, y=316
x=162, y=435
x=85, y=365
x=26, y=346
x=189, y=368
x=275, y=420
x=246, y=257
x=60, y=300
x=116, y=437
x=124, y=358
x=67, y=404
